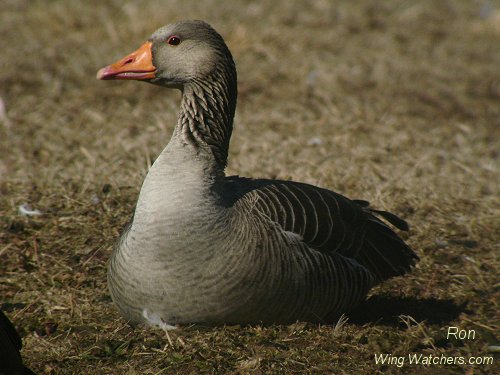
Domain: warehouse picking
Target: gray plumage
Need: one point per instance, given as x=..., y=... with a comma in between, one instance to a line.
x=206, y=248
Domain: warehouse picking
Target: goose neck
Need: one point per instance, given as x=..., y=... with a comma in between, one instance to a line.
x=206, y=116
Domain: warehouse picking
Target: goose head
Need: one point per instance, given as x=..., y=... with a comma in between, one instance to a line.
x=174, y=56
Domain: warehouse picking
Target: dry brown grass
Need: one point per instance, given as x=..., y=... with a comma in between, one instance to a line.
x=402, y=97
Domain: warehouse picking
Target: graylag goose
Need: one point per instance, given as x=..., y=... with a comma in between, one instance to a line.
x=207, y=248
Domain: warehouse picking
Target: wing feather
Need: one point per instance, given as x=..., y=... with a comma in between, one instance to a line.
x=330, y=223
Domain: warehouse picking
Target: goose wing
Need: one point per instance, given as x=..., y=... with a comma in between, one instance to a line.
x=330, y=223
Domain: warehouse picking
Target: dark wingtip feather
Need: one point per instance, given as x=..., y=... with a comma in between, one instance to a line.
x=393, y=219
x=385, y=254
x=389, y=216
x=361, y=202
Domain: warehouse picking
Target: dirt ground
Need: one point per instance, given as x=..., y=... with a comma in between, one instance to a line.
x=395, y=102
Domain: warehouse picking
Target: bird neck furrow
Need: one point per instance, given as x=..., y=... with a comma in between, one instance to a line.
x=206, y=117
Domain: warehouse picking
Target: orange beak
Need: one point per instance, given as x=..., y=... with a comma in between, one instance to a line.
x=138, y=65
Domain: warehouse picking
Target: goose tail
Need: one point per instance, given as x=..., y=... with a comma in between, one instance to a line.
x=385, y=254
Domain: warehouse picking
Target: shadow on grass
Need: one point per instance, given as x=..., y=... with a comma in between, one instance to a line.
x=385, y=310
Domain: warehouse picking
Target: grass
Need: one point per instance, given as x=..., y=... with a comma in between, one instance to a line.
x=395, y=102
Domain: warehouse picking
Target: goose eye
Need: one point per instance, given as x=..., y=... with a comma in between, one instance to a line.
x=173, y=40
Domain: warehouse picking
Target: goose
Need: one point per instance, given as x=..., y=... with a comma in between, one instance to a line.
x=206, y=248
